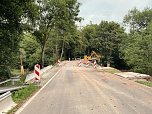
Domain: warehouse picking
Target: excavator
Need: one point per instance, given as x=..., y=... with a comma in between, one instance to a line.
x=93, y=56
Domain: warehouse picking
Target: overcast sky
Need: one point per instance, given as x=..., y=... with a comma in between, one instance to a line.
x=110, y=10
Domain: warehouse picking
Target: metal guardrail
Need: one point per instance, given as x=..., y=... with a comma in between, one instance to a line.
x=5, y=81
x=12, y=79
x=3, y=90
x=6, y=102
x=3, y=96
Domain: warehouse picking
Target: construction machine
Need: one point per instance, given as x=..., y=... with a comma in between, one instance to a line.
x=93, y=56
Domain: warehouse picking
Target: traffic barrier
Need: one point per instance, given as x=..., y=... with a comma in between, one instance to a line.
x=37, y=72
x=58, y=62
x=95, y=64
x=6, y=102
x=80, y=62
x=30, y=78
x=5, y=81
x=6, y=89
x=87, y=63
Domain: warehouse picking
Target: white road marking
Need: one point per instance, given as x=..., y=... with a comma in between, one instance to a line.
x=21, y=109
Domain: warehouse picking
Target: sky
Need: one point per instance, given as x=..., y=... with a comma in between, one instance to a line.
x=111, y=10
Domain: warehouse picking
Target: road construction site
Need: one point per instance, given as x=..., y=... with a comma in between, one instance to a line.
x=74, y=89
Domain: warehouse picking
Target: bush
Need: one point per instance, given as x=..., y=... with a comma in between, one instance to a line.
x=5, y=73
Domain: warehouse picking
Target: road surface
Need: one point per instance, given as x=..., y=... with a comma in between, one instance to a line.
x=80, y=90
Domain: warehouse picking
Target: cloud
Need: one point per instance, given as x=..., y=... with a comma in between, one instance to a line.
x=110, y=10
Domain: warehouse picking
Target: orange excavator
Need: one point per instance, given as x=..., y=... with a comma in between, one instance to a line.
x=93, y=56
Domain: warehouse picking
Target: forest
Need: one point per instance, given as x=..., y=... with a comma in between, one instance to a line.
x=43, y=31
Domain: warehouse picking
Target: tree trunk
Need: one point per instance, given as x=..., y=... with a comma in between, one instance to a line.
x=53, y=56
x=56, y=52
x=109, y=58
x=108, y=64
x=42, y=56
x=22, y=67
x=62, y=51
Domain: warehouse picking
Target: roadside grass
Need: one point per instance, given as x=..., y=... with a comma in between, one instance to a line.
x=20, y=96
x=24, y=93
x=147, y=83
x=112, y=70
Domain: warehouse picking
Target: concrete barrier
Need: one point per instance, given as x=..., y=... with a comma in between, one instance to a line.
x=6, y=102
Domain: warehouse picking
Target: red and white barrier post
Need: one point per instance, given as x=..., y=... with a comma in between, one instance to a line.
x=58, y=62
x=87, y=63
x=80, y=62
x=37, y=72
x=95, y=64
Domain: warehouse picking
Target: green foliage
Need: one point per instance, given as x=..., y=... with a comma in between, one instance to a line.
x=11, y=26
x=15, y=72
x=137, y=51
x=137, y=47
x=74, y=45
x=4, y=73
x=109, y=35
x=52, y=35
x=31, y=50
x=60, y=15
x=23, y=94
x=15, y=16
x=49, y=19
x=105, y=39
x=89, y=33
x=138, y=20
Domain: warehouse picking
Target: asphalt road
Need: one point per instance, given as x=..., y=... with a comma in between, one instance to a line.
x=80, y=90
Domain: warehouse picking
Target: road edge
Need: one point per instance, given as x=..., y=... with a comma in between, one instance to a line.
x=26, y=103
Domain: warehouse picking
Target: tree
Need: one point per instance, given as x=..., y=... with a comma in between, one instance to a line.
x=14, y=16
x=108, y=38
x=60, y=15
x=138, y=49
x=138, y=20
x=73, y=47
x=30, y=51
x=89, y=33
x=68, y=14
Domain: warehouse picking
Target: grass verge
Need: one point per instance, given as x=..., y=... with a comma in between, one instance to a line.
x=112, y=70
x=147, y=83
x=22, y=95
